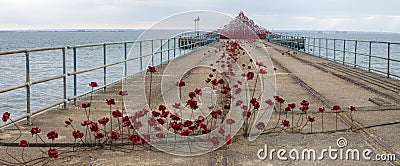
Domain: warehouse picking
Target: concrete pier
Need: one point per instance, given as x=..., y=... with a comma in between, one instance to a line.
x=299, y=77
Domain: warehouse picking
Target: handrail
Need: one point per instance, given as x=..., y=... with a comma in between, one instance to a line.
x=350, y=51
x=164, y=49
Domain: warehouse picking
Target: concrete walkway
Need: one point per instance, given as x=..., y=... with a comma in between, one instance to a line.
x=298, y=77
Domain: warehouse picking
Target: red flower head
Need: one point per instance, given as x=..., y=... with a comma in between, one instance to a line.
x=280, y=100
x=311, y=119
x=155, y=113
x=187, y=123
x=262, y=71
x=250, y=75
x=176, y=105
x=185, y=132
x=285, y=123
x=86, y=122
x=230, y=121
x=99, y=135
x=292, y=106
x=322, y=109
x=192, y=95
x=94, y=127
x=110, y=101
x=221, y=81
x=85, y=105
x=6, y=116
x=122, y=93
x=114, y=135
x=117, y=114
x=135, y=139
x=228, y=139
x=214, y=141
x=152, y=69
x=269, y=102
x=162, y=107
x=192, y=104
x=35, y=130
x=304, y=108
x=260, y=126
x=93, y=84
x=161, y=121
x=53, y=153
x=23, y=143
x=175, y=117
x=164, y=114
x=199, y=119
x=352, y=108
x=180, y=83
x=305, y=103
x=246, y=114
x=52, y=135
x=103, y=121
x=197, y=91
x=336, y=108
x=77, y=134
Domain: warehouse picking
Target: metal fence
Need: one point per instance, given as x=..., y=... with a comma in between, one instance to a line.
x=373, y=56
x=165, y=50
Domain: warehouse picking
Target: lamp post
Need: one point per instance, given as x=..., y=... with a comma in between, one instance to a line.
x=196, y=25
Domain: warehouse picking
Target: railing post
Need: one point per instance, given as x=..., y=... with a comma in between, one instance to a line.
x=355, y=54
x=326, y=48
x=64, y=79
x=369, y=57
x=388, y=61
x=334, y=50
x=28, y=89
x=314, y=47
x=168, y=49
x=174, y=47
x=152, y=52
x=74, y=55
x=344, y=51
x=161, y=52
x=126, y=60
x=105, y=68
x=308, y=45
x=319, y=47
x=140, y=56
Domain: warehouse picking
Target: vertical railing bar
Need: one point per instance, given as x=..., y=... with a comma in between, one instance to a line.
x=308, y=45
x=75, y=76
x=344, y=52
x=369, y=57
x=314, y=47
x=141, y=56
x=326, y=48
x=152, y=52
x=64, y=79
x=125, y=61
x=355, y=54
x=174, y=47
x=28, y=89
x=334, y=50
x=105, y=68
x=319, y=47
x=388, y=61
x=168, y=49
x=161, y=52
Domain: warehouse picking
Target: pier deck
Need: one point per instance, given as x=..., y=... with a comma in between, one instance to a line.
x=299, y=76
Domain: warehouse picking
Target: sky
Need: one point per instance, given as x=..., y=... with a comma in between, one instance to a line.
x=342, y=15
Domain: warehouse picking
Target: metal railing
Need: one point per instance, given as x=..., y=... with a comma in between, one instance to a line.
x=373, y=56
x=167, y=47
